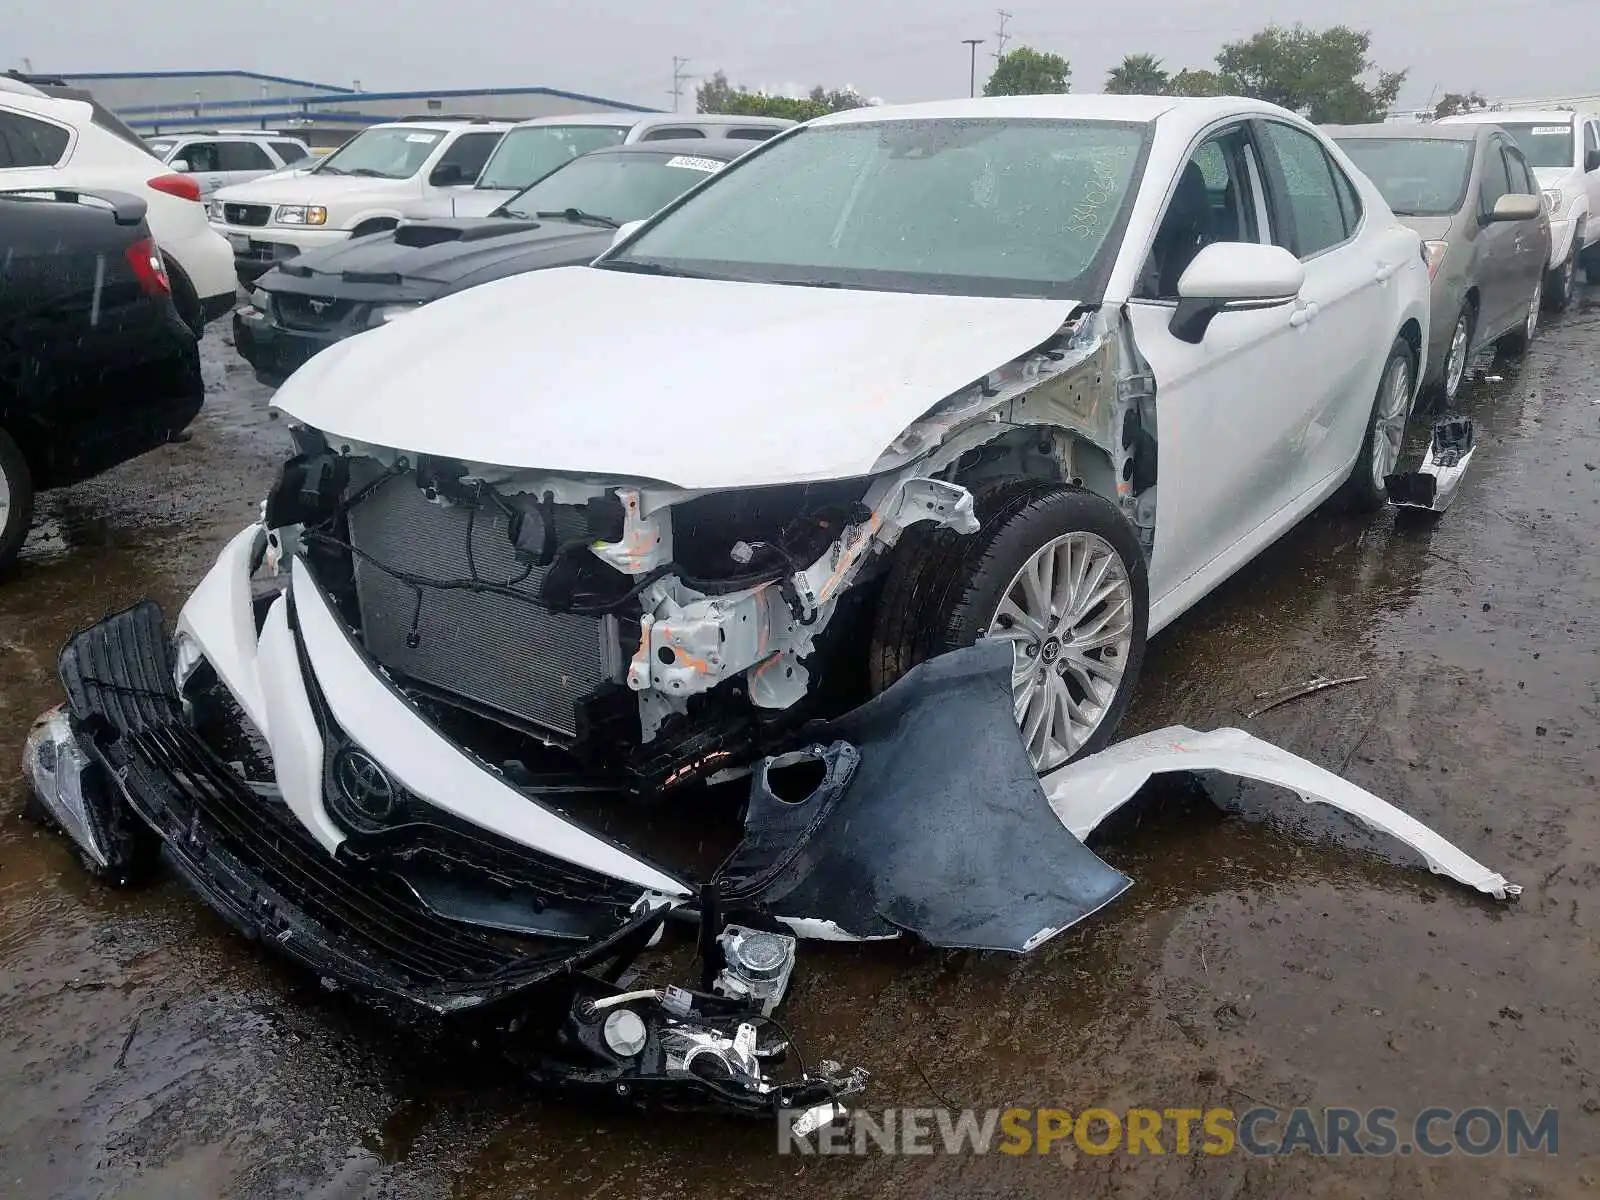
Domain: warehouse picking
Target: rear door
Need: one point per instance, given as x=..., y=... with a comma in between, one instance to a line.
x=1345, y=301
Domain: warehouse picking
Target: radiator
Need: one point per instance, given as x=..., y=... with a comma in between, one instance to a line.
x=503, y=654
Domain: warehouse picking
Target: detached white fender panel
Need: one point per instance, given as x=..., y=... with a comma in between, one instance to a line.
x=1086, y=792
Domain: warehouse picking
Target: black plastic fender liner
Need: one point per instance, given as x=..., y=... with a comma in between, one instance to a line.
x=941, y=830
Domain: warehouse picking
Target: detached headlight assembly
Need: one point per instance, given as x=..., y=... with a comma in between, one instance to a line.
x=385, y=313
x=301, y=214
x=1552, y=200
x=214, y=211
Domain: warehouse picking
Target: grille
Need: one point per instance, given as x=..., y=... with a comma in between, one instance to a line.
x=498, y=652
x=311, y=312
x=246, y=214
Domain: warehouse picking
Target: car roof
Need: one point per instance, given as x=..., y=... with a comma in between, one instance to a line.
x=624, y=120
x=445, y=126
x=1520, y=116
x=1065, y=107
x=727, y=149
x=1408, y=131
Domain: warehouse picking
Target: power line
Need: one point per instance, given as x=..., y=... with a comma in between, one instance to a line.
x=1001, y=37
x=677, y=80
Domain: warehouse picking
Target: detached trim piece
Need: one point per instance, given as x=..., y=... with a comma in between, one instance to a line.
x=1433, y=485
x=1086, y=792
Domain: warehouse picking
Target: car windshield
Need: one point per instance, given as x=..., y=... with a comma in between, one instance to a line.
x=385, y=153
x=617, y=187
x=527, y=155
x=1543, y=145
x=993, y=207
x=1419, y=177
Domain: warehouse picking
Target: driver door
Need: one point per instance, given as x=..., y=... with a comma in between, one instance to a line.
x=1232, y=410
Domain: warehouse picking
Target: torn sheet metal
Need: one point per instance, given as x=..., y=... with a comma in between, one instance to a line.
x=927, y=818
x=1434, y=484
x=1086, y=792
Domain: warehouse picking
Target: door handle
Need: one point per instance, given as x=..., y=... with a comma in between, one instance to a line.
x=1303, y=315
x=1383, y=273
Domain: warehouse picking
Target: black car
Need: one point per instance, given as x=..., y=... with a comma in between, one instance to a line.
x=96, y=365
x=565, y=219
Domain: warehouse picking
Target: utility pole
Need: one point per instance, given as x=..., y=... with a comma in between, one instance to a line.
x=677, y=80
x=1001, y=37
x=972, y=45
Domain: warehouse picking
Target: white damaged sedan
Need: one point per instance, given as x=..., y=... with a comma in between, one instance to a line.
x=896, y=437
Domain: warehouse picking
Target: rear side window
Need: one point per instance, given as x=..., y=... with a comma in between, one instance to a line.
x=289, y=151
x=242, y=156
x=469, y=152
x=25, y=142
x=666, y=133
x=1312, y=194
x=750, y=135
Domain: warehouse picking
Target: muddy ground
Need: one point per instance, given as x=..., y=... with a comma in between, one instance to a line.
x=1272, y=955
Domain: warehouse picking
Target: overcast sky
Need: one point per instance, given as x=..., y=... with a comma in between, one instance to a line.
x=623, y=49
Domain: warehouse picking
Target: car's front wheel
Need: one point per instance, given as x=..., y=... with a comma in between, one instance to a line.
x=1366, y=489
x=1562, y=283
x=16, y=500
x=1058, y=573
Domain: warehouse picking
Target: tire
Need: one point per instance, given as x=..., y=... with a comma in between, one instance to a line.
x=944, y=591
x=1442, y=395
x=1365, y=490
x=1519, y=339
x=16, y=500
x=186, y=299
x=1561, y=283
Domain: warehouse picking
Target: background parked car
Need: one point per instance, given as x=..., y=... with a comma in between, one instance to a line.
x=217, y=160
x=535, y=148
x=96, y=365
x=49, y=142
x=565, y=219
x=1468, y=190
x=361, y=188
x=1563, y=148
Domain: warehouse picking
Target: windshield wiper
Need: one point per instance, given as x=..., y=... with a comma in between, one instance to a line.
x=637, y=267
x=577, y=214
x=370, y=172
x=815, y=283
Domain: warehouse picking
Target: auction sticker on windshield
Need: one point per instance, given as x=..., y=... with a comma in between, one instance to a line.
x=1549, y=130
x=422, y=137
x=693, y=163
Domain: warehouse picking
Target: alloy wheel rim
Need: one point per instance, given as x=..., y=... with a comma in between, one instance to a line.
x=1390, y=427
x=1068, y=614
x=1456, y=366
x=5, y=499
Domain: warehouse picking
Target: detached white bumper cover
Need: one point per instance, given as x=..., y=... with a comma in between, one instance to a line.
x=263, y=675
x=1088, y=791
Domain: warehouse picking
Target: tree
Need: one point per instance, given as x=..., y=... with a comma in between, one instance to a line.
x=1029, y=72
x=1317, y=72
x=1138, y=75
x=716, y=95
x=1455, y=103
x=1197, y=83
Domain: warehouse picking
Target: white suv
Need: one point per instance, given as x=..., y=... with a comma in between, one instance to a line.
x=1563, y=148
x=218, y=160
x=362, y=187
x=49, y=142
x=535, y=148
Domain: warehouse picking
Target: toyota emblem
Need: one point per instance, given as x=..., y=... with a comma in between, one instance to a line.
x=363, y=783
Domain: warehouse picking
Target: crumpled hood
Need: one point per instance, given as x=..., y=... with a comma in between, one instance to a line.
x=446, y=253
x=693, y=382
x=312, y=188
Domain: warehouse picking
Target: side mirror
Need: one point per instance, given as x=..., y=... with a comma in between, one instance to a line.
x=1591, y=161
x=1514, y=207
x=447, y=175
x=624, y=232
x=1233, y=275
x=180, y=165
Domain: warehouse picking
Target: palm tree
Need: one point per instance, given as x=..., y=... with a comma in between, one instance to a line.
x=1138, y=75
